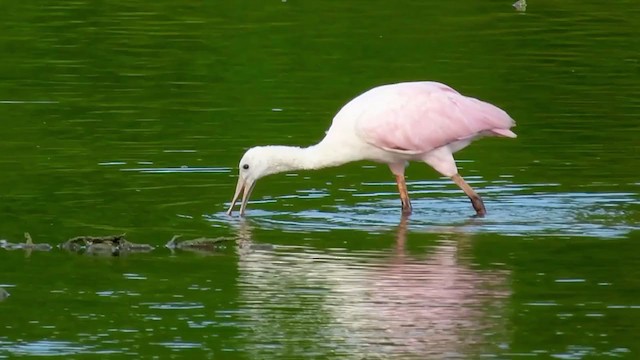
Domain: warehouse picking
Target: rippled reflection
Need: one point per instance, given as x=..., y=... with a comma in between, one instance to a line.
x=362, y=305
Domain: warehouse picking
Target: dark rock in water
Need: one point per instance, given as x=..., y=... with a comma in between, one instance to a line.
x=3, y=294
x=113, y=245
x=98, y=244
x=88, y=240
x=203, y=245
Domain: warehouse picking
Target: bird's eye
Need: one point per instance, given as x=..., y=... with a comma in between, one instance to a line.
x=245, y=166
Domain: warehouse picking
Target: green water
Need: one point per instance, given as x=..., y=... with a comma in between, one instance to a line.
x=130, y=117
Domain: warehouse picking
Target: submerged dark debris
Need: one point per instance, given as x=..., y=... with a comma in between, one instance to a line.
x=27, y=245
x=104, y=245
x=200, y=245
x=117, y=245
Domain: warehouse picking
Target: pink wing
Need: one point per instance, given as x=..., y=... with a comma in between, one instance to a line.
x=422, y=116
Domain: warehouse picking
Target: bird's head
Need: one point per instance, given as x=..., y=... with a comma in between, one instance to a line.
x=256, y=163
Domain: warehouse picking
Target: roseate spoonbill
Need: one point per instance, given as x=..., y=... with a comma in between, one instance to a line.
x=391, y=124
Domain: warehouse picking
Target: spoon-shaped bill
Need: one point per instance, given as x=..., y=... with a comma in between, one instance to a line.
x=245, y=187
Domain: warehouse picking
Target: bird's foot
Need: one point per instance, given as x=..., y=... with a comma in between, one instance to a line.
x=406, y=207
x=478, y=206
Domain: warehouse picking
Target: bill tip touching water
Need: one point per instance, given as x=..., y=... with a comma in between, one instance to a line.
x=391, y=124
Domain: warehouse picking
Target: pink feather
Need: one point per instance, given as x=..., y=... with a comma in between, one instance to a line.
x=423, y=116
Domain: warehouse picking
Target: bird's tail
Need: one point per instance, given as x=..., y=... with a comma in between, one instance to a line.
x=504, y=132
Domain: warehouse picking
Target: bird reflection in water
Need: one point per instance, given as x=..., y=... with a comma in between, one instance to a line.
x=361, y=304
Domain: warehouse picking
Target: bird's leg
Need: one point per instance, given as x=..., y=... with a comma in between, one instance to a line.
x=404, y=195
x=476, y=201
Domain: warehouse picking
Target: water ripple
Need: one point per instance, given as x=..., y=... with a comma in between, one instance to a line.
x=45, y=348
x=515, y=210
x=183, y=169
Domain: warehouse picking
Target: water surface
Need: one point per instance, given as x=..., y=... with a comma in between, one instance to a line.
x=131, y=118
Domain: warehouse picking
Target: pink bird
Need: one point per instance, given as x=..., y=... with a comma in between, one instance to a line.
x=391, y=124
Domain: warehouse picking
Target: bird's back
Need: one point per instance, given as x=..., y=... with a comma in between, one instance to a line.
x=418, y=117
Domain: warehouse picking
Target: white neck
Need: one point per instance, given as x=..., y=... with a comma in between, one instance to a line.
x=321, y=155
